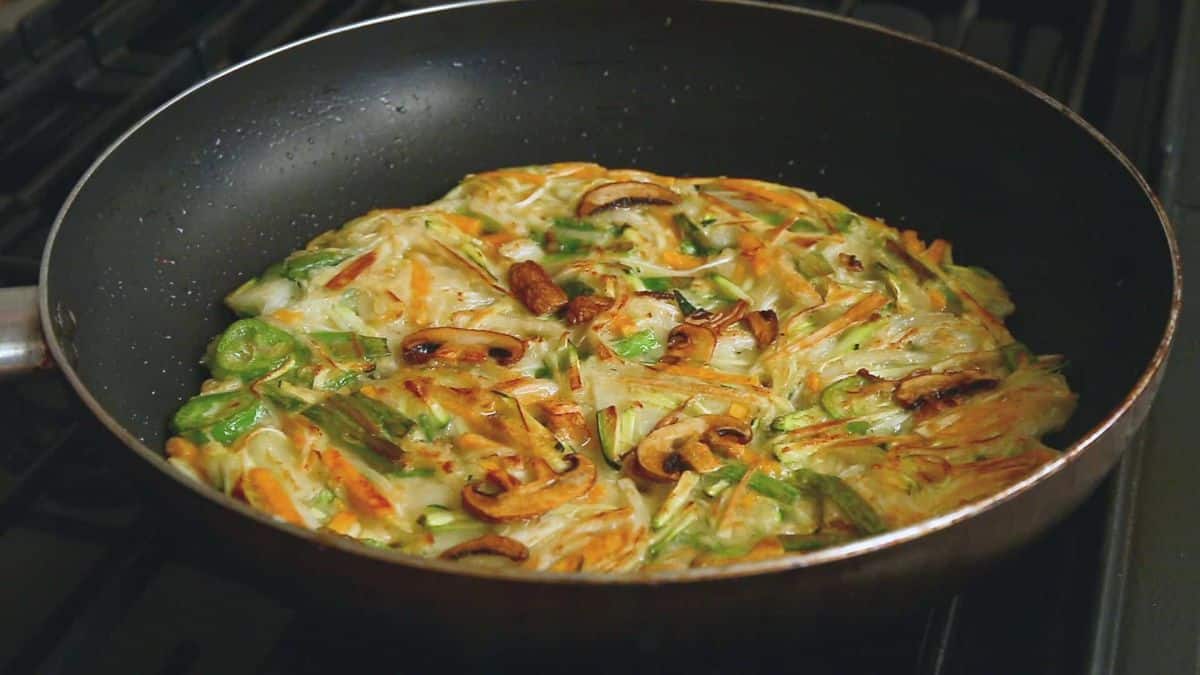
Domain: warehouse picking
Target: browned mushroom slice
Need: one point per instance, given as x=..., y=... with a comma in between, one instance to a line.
x=535, y=289
x=658, y=453
x=727, y=435
x=489, y=544
x=566, y=422
x=452, y=345
x=584, y=308
x=623, y=195
x=698, y=457
x=915, y=391
x=547, y=491
x=666, y=452
x=764, y=326
x=690, y=343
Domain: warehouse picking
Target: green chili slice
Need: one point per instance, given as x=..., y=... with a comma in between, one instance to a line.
x=351, y=351
x=226, y=416
x=852, y=505
x=300, y=266
x=251, y=348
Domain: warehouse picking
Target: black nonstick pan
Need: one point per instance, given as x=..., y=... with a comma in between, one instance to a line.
x=242, y=169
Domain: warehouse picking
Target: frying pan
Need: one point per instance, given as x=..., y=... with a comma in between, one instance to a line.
x=242, y=169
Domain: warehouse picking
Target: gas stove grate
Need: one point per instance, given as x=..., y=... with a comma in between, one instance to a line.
x=106, y=588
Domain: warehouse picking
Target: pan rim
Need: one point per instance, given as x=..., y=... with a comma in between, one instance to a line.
x=842, y=553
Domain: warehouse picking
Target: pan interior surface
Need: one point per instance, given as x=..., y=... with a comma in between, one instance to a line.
x=245, y=169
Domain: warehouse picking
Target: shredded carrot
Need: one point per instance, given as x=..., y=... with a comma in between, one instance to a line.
x=342, y=521
x=739, y=411
x=680, y=261
x=187, y=452
x=857, y=314
x=937, y=299
x=937, y=251
x=469, y=225
x=749, y=243
x=813, y=382
x=361, y=493
x=792, y=200
x=264, y=492
x=287, y=316
x=182, y=448
x=372, y=390
x=911, y=243
x=299, y=430
x=350, y=272
x=499, y=238
x=709, y=374
x=754, y=249
x=419, y=278
x=722, y=205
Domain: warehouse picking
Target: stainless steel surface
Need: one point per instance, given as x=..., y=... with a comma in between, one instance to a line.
x=22, y=348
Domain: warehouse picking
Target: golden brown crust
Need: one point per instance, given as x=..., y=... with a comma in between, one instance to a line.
x=584, y=308
x=535, y=289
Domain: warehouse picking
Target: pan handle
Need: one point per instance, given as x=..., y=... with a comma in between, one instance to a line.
x=22, y=347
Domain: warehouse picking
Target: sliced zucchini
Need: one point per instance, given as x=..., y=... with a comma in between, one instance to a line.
x=616, y=431
x=676, y=499
x=845, y=398
x=727, y=289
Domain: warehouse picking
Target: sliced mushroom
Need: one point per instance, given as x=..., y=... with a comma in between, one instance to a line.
x=764, y=326
x=584, y=308
x=697, y=456
x=690, y=343
x=566, y=422
x=923, y=389
x=727, y=435
x=535, y=289
x=492, y=544
x=623, y=195
x=546, y=491
x=451, y=345
x=665, y=453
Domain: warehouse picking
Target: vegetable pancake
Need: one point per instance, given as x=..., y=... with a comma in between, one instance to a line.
x=572, y=368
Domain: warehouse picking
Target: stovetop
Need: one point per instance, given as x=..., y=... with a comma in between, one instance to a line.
x=94, y=581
